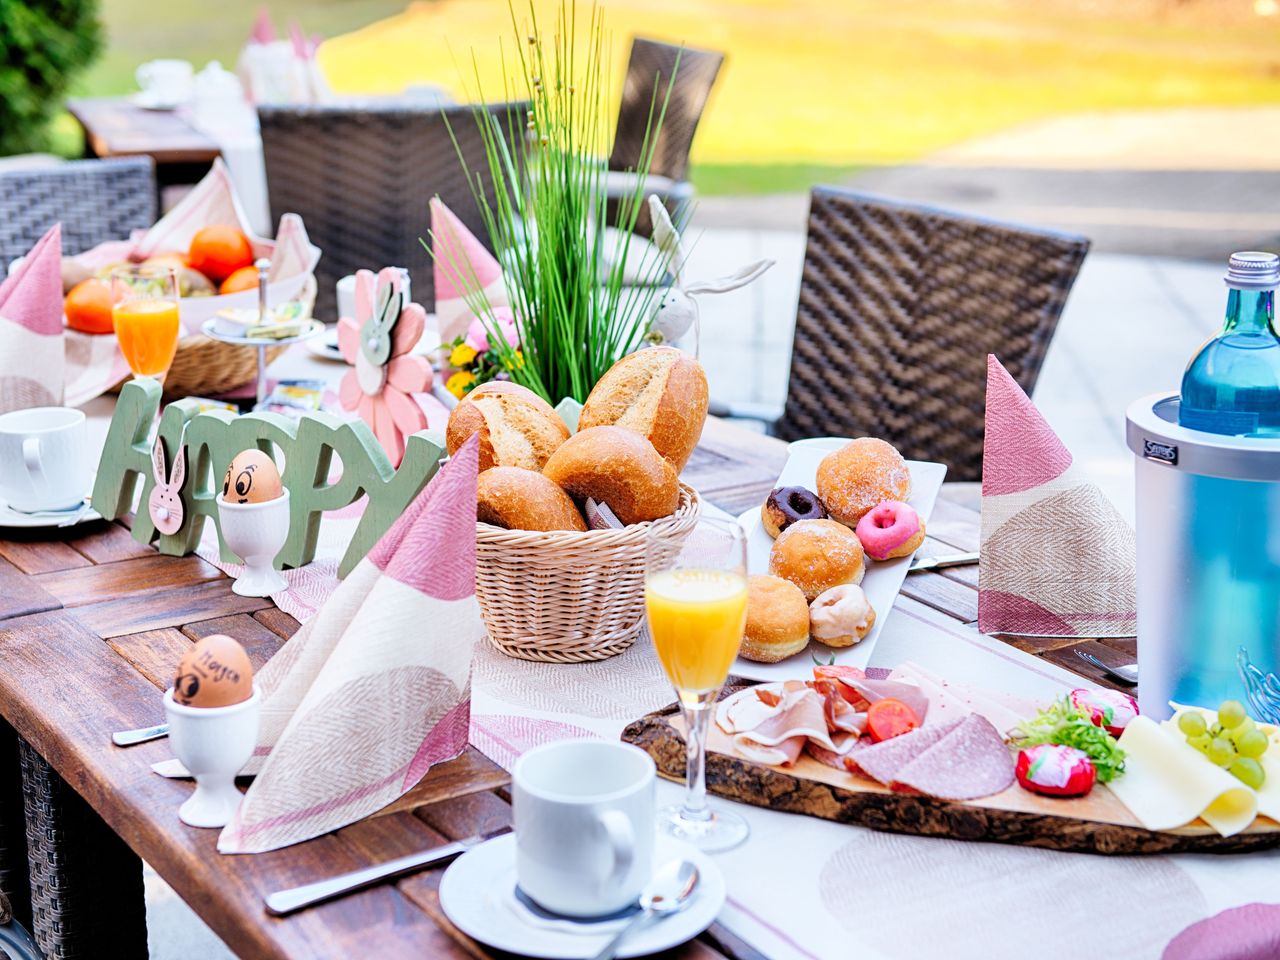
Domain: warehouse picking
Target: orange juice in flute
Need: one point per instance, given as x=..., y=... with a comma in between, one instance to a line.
x=696, y=600
x=145, y=314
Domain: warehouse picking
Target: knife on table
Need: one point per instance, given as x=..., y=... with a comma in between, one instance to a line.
x=127, y=738
x=948, y=560
x=284, y=902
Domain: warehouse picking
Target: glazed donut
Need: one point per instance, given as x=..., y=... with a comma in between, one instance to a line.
x=777, y=620
x=890, y=529
x=841, y=616
x=816, y=555
x=859, y=475
x=788, y=505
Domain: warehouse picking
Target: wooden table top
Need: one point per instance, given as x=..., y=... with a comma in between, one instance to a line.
x=92, y=625
x=117, y=127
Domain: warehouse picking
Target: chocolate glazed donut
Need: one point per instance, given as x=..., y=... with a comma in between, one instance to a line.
x=788, y=505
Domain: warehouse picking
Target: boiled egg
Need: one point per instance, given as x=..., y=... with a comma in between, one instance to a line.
x=251, y=478
x=214, y=673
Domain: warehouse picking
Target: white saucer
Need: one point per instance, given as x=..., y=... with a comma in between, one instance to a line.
x=477, y=893
x=209, y=329
x=327, y=346
x=45, y=518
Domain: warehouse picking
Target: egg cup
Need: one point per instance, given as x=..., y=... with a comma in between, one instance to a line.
x=256, y=532
x=214, y=744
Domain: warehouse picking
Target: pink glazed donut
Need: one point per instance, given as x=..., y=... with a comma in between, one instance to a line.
x=890, y=529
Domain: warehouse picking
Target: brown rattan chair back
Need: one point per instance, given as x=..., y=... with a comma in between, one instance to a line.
x=362, y=176
x=899, y=307
x=94, y=200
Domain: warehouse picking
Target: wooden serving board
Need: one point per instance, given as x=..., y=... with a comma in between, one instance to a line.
x=1097, y=823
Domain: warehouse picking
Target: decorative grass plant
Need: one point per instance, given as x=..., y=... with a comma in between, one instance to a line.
x=545, y=216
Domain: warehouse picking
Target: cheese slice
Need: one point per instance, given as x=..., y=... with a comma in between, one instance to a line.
x=1269, y=794
x=1167, y=783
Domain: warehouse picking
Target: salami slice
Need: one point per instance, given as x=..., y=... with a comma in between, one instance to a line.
x=882, y=761
x=970, y=761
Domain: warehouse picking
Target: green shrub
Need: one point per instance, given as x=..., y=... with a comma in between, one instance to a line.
x=42, y=46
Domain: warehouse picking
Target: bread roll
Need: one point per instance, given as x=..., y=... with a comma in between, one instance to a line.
x=517, y=427
x=777, y=620
x=660, y=393
x=859, y=475
x=520, y=499
x=817, y=555
x=617, y=467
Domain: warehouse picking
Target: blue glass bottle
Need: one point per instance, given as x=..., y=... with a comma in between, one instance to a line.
x=1232, y=386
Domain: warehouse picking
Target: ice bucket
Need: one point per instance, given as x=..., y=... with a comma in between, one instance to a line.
x=1208, y=536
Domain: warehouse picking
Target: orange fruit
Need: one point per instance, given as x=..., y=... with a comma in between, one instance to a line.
x=246, y=278
x=219, y=251
x=88, y=307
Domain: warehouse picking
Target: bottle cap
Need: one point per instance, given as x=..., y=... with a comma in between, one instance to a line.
x=1253, y=270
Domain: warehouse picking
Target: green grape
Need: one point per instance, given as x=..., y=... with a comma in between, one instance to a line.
x=1201, y=742
x=1245, y=724
x=1192, y=723
x=1251, y=743
x=1221, y=752
x=1231, y=714
x=1249, y=772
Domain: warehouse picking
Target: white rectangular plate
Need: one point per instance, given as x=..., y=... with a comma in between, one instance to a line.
x=882, y=582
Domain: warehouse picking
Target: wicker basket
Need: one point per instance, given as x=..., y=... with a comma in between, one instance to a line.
x=567, y=597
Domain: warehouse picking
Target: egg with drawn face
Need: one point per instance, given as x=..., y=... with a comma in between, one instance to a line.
x=251, y=478
x=216, y=672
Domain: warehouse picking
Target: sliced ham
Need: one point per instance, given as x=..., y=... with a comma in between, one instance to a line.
x=949, y=700
x=882, y=761
x=776, y=733
x=909, y=693
x=969, y=761
x=840, y=713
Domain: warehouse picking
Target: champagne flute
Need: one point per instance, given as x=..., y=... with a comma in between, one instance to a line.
x=144, y=310
x=696, y=598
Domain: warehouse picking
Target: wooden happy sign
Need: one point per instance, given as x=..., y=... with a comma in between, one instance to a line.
x=210, y=440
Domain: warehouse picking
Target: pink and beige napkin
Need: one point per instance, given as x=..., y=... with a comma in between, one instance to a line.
x=464, y=270
x=1057, y=559
x=32, y=363
x=375, y=689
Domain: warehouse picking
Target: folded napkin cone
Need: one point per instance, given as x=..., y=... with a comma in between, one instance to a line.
x=375, y=689
x=1057, y=559
x=31, y=353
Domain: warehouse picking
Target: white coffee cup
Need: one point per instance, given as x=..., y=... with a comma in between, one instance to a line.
x=584, y=824
x=43, y=459
x=346, y=291
x=165, y=82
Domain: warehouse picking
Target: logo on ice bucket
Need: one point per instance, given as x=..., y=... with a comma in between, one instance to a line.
x=1160, y=452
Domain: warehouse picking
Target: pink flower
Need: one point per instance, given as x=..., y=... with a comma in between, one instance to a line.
x=478, y=331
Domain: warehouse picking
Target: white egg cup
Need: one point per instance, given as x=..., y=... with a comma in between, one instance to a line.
x=214, y=744
x=255, y=532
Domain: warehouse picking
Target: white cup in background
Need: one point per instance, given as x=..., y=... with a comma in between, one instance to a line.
x=43, y=459
x=165, y=82
x=346, y=289
x=584, y=824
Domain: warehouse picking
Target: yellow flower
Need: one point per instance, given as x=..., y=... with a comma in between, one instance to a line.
x=462, y=355
x=458, y=383
x=515, y=363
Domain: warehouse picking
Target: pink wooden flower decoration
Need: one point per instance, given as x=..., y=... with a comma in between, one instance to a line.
x=380, y=388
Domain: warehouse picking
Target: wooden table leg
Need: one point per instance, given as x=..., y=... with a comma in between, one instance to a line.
x=86, y=884
x=14, y=880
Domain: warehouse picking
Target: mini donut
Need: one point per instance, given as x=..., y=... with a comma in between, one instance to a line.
x=788, y=505
x=859, y=475
x=841, y=616
x=890, y=529
x=817, y=555
x=777, y=620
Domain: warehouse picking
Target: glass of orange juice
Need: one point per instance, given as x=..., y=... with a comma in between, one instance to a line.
x=696, y=599
x=144, y=310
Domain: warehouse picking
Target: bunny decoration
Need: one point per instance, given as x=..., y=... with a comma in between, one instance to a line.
x=165, y=504
x=678, y=310
x=376, y=342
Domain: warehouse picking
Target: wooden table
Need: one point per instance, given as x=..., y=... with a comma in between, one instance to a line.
x=116, y=127
x=91, y=626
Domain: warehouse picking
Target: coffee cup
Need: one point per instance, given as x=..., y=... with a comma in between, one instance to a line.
x=584, y=824
x=43, y=459
x=346, y=291
x=165, y=82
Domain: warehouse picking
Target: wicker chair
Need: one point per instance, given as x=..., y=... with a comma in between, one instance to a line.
x=899, y=307
x=649, y=72
x=361, y=176
x=94, y=200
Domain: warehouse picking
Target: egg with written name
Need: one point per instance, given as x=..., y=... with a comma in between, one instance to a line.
x=251, y=478
x=214, y=673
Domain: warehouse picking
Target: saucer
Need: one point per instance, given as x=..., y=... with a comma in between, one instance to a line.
x=46, y=518
x=478, y=894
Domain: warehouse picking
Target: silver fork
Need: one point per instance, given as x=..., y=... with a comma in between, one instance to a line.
x=1127, y=673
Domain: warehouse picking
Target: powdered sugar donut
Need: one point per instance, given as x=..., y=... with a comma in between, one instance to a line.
x=859, y=475
x=816, y=555
x=890, y=529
